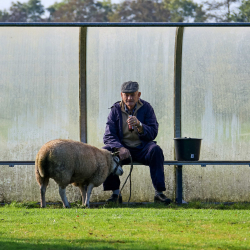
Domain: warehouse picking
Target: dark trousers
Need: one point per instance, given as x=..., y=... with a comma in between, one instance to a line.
x=150, y=155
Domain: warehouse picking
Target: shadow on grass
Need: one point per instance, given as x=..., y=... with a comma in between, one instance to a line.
x=191, y=205
x=96, y=244
x=146, y=205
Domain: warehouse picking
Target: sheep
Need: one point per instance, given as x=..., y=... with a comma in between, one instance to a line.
x=68, y=161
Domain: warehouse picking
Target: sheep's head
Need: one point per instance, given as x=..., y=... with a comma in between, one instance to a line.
x=117, y=168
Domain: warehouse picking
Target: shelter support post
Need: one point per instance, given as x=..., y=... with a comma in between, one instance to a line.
x=178, y=173
x=177, y=105
x=82, y=84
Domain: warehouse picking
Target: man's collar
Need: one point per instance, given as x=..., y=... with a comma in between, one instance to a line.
x=129, y=111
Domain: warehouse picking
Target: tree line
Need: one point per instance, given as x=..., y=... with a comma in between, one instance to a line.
x=127, y=11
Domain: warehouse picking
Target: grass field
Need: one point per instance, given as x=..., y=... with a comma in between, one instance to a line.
x=194, y=226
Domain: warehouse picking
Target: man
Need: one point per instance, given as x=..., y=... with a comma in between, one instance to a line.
x=138, y=114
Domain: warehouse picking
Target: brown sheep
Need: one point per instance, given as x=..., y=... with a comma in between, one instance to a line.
x=68, y=161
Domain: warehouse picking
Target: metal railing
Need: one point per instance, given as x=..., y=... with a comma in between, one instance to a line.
x=177, y=163
x=142, y=24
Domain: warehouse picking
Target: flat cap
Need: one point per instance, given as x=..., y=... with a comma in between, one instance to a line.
x=129, y=87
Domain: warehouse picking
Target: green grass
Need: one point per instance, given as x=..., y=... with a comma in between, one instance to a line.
x=194, y=226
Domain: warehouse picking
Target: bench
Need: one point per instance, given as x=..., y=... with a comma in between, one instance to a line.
x=178, y=165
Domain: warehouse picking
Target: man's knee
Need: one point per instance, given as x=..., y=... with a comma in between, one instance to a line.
x=155, y=155
x=156, y=150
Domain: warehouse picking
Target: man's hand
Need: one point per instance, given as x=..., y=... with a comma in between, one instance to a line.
x=133, y=121
x=123, y=153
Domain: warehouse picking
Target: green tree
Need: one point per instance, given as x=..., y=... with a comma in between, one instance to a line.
x=35, y=11
x=214, y=7
x=244, y=12
x=140, y=11
x=4, y=15
x=185, y=11
x=104, y=11
x=158, y=11
x=18, y=12
x=80, y=11
x=25, y=12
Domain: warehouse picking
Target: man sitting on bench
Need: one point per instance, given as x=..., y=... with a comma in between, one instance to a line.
x=131, y=128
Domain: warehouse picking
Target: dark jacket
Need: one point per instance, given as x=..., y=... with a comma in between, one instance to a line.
x=113, y=133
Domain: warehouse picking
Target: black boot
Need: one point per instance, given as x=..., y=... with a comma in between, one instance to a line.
x=162, y=198
x=114, y=198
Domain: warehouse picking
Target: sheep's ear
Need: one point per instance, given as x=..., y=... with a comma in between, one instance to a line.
x=115, y=153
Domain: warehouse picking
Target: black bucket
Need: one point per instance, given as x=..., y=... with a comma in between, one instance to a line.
x=187, y=149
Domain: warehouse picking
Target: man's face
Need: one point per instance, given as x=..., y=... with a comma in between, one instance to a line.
x=130, y=99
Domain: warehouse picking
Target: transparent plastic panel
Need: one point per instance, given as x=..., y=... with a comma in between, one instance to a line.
x=39, y=101
x=145, y=55
x=216, y=108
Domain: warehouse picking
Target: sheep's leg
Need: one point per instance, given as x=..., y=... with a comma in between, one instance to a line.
x=43, y=186
x=83, y=190
x=89, y=190
x=62, y=192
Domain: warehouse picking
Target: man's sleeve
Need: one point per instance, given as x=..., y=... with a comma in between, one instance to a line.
x=110, y=137
x=150, y=126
